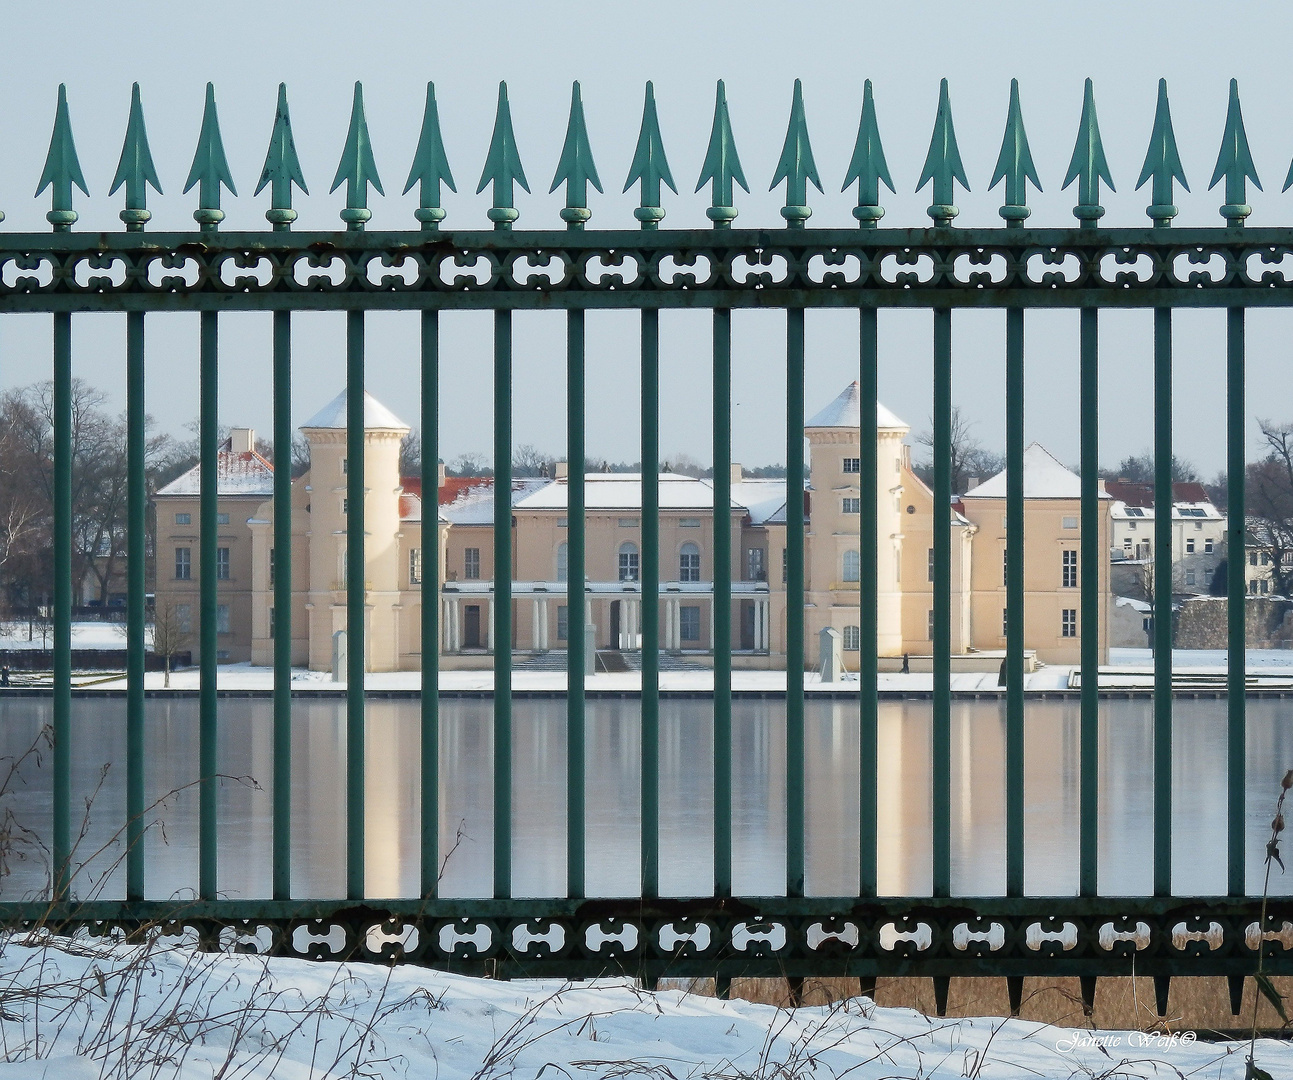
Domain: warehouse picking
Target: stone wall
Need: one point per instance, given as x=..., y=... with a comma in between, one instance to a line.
x=1201, y=623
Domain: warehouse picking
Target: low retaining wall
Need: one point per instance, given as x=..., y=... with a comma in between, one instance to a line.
x=1201, y=623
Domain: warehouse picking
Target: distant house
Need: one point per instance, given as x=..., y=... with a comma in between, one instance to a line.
x=1198, y=538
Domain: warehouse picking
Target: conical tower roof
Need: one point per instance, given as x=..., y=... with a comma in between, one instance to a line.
x=377, y=417
x=846, y=412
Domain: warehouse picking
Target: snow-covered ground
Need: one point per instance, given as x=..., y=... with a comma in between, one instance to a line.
x=85, y=635
x=91, y=1010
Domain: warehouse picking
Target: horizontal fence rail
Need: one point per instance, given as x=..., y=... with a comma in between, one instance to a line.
x=793, y=268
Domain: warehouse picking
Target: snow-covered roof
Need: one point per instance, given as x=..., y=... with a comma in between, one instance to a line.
x=1044, y=478
x=376, y=415
x=475, y=505
x=1133, y=603
x=846, y=412
x=246, y=474
x=623, y=491
x=764, y=498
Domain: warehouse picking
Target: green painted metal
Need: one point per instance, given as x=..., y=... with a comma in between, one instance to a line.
x=1162, y=163
x=1162, y=601
x=282, y=168
x=356, y=605
x=868, y=166
x=650, y=752
x=62, y=168
x=576, y=168
x=1235, y=163
x=62, y=839
x=722, y=167
x=135, y=169
x=1015, y=163
x=576, y=722
x=943, y=168
x=501, y=615
x=136, y=603
x=650, y=166
x=1014, y=592
x=210, y=169
x=431, y=554
x=721, y=626
x=282, y=619
x=941, y=735
x=869, y=550
x=357, y=169
x=430, y=169
x=1090, y=557
x=796, y=820
x=1088, y=165
x=503, y=166
x=1236, y=592
x=208, y=645
x=796, y=166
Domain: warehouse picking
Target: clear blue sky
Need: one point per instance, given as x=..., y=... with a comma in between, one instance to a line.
x=320, y=48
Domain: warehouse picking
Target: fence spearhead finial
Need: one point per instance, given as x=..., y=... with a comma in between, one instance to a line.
x=1088, y=165
x=722, y=165
x=576, y=168
x=430, y=166
x=650, y=166
x=1235, y=163
x=1162, y=162
x=868, y=166
x=797, y=166
x=282, y=167
x=357, y=169
x=135, y=169
x=62, y=169
x=210, y=169
x=1015, y=163
x=503, y=166
x=943, y=163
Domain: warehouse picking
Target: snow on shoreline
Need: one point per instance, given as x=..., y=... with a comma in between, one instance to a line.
x=171, y=1012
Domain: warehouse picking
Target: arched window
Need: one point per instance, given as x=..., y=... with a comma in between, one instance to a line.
x=628, y=562
x=852, y=566
x=563, y=561
x=689, y=563
x=852, y=638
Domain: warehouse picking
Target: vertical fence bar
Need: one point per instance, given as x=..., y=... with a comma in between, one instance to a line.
x=62, y=840
x=1162, y=601
x=576, y=724
x=430, y=701
x=208, y=501
x=136, y=534
x=795, y=821
x=650, y=603
x=356, y=586
x=722, y=613
x=503, y=604
x=1237, y=644
x=1015, y=602
x=941, y=757
x=868, y=489
x=1089, y=724
x=281, y=622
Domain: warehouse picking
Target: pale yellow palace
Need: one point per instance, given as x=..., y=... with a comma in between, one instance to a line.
x=396, y=511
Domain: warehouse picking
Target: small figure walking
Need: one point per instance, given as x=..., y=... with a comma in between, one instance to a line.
x=4, y=675
x=906, y=664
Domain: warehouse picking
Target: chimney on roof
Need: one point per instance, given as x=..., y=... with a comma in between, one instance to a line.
x=563, y=470
x=971, y=483
x=1099, y=486
x=441, y=476
x=242, y=440
x=737, y=473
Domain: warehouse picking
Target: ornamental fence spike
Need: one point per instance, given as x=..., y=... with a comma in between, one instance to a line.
x=868, y=166
x=576, y=168
x=282, y=167
x=357, y=169
x=135, y=169
x=650, y=165
x=62, y=169
x=722, y=165
x=943, y=163
x=1088, y=165
x=503, y=166
x=1235, y=163
x=430, y=167
x=1015, y=163
x=210, y=168
x=1162, y=163
x=796, y=167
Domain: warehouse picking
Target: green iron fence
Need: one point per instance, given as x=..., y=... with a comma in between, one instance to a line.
x=791, y=268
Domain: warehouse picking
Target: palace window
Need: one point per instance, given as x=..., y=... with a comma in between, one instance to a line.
x=1068, y=622
x=184, y=618
x=852, y=638
x=852, y=465
x=471, y=564
x=271, y=566
x=183, y=519
x=930, y=568
x=852, y=566
x=628, y=567
x=1005, y=566
x=222, y=519
x=271, y=624
x=929, y=625
x=1070, y=569
x=754, y=565
x=689, y=622
x=852, y=506
x=1005, y=622
x=563, y=562
x=222, y=564
x=689, y=563
x=183, y=564
x=1070, y=523
x=563, y=623
x=689, y=523
x=222, y=618
x=415, y=566
x=629, y=523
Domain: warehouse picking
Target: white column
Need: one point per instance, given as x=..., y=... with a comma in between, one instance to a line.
x=675, y=623
x=491, y=624
x=634, y=605
x=713, y=610
x=536, y=632
x=543, y=623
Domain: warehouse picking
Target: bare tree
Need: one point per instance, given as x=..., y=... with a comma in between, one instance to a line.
x=1270, y=503
x=172, y=634
x=528, y=460
x=969, y=457
x=1139, y=469
x=411, y=454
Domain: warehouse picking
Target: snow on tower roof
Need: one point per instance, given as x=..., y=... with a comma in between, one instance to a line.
x=846, y=412
x=1044, y=478
x=376, y=415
